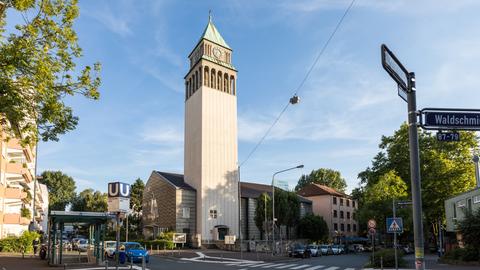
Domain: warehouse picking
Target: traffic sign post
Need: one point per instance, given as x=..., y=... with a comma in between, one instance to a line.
x=406, y=83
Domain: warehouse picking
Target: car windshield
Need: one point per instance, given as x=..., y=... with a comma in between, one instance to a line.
x=312, y=246
x=82, y=241
x=324, y=246
x=298, y=246
x=136, y=246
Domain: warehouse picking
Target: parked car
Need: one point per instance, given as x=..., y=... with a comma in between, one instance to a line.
x=110, y=247
x=314, y=250
x=82, y=245
x=337, y=250
x=356, y=248
x=407, y=249
x=135, y=252
x=325, y=249
x=300, y=251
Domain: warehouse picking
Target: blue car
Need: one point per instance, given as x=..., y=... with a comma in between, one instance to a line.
x=135, y=251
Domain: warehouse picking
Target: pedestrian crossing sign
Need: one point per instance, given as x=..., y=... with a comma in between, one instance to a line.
x=394, y=225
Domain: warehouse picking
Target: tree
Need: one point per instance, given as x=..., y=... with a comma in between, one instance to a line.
x=446, y=169
x=89, y=200
x=313, y=227
x=263, y=201
x=323, y=176
x=136, y=196
x=61, y=189
x=469, y=228
x=38, y=70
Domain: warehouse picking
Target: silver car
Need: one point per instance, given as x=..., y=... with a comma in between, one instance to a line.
x=314, y=250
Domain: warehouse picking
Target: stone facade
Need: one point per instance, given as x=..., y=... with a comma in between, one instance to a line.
x=164, y=204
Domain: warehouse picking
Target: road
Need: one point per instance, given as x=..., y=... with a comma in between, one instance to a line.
x=342, y=262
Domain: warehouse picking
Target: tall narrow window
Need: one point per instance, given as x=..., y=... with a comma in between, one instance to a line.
x=206, y=76
x=341, y=214
x=334, y=200
x=212, y=78
x=196, y=81
x=342, y=227
x=454, y=210
x=335, y=226
x=348, y=215
x=232, y=85
x=335, y=214
x=348, y=203
x=219, y=81
x=341, y=202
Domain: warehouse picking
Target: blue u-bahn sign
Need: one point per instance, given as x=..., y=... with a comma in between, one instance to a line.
x=450, y=119
x=118, y=189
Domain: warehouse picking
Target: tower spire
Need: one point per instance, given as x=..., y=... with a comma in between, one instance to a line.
x=210, y=16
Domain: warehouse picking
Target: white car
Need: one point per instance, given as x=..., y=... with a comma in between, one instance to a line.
x=110, y=247
x=314, y=250
x=82, y=245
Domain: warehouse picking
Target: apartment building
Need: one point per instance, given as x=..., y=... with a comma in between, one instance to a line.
x=336, y=208
x=17, y=170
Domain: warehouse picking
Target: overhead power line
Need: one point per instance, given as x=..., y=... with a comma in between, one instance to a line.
x=297, y=90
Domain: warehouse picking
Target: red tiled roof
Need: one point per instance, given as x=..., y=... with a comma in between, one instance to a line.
x=317, y=189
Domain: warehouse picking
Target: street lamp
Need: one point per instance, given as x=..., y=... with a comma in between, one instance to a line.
x=273, y=203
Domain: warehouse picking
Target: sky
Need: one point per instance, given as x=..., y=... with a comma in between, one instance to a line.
x=347, y=103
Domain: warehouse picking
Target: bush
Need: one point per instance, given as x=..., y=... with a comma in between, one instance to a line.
x=161, y=243
x=388, y=258
x=24, y=243
x=470, y=254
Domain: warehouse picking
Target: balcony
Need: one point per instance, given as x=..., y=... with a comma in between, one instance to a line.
x=17, y=168
x=14, y=144
x=14, y=193
x=9, y=218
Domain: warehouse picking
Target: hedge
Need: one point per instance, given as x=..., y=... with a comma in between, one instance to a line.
x=24, y=243
x=388, y=258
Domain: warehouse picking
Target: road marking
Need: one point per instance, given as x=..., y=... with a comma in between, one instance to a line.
x=332, y=268
x=262, y=264
x=285, y=266
x=315, y=267
x=246, y=264
x=349, y=269
x=274, y=265
x=301, y=266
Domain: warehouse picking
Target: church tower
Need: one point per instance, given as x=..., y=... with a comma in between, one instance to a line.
x=211, y=156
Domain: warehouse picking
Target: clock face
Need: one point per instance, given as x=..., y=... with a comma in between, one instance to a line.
x=217, y=53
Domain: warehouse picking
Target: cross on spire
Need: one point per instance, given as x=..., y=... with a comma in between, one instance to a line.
x=209, y=15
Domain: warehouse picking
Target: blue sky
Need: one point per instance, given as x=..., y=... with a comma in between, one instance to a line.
x=346, y=105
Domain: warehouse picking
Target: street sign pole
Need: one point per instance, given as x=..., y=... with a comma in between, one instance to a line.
x=415, y=173
x=395, y=236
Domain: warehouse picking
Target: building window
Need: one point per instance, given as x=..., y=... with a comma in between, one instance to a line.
x=335, y=213
x=348, y=203
x=353, y=204
x=341, y=214
x=334, y=200
x=213, y=213
x=476, y=199
x=186, y=212
x=348, y=215
x=354, y=227
x=342, y=227
x=341, y=202
x=354, y=216
x=335, y=226
x=454, y=211
x=348, y=228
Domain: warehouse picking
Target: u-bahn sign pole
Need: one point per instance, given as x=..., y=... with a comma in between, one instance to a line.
x=406, y=87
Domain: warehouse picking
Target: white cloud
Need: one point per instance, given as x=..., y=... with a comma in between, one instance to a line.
x=116, y=21
x=163, y=135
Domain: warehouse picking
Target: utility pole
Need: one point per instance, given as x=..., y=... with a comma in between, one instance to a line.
x=395, y=234
x=415, y=173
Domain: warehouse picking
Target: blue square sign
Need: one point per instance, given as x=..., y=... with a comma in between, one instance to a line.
x=394, y=225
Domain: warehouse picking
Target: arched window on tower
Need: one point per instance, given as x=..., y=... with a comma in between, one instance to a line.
x=219, y=81
x=212, y=79
x=186, y=90
x=232, y=85
x=189, y=86
x=200, y=77
x=225, y=83
x=196, y=81
x=206, y=76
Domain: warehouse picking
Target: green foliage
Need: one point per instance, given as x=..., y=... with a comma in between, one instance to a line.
x=160, y=243
x=262, y=201
x=136, y=197
x=446, y=170
x=313, y=227
x=61, y=189
x=24, y=243
x=467, y=254
x=469, y=228
x=88, y=200
x=323, y=176
x=38, y=70
x=387, y=256
x=25, y=212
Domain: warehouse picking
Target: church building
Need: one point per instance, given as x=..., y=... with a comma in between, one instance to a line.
x=204, y=202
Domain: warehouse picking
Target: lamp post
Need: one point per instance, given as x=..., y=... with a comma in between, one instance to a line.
x=273, y=203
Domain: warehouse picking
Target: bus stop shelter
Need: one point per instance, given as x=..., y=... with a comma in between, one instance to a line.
x=96, y=222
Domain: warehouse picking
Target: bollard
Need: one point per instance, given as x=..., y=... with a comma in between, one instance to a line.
x=381, y=262
x=158, y=250
x=143, y=263
x=106, y=264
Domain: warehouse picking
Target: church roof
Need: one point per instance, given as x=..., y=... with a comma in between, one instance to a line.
x=211, y=33
x=175, y=179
